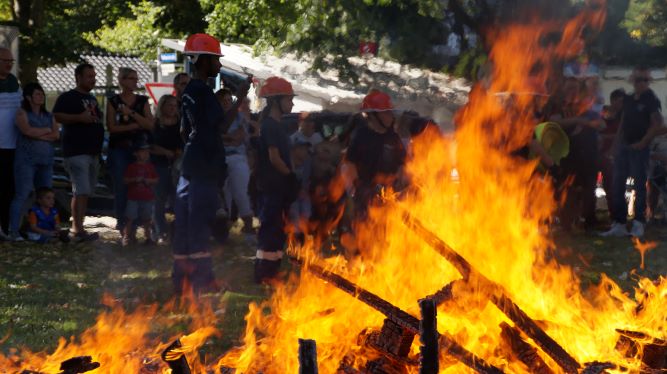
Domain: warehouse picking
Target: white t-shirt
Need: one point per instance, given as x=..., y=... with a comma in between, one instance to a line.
x=10, y=102
x=299, y=137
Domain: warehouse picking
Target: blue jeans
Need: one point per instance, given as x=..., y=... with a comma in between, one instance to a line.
x=629, y=163
x=27, y=176
x=117, y=162
x=164, y=193
x=197, y=201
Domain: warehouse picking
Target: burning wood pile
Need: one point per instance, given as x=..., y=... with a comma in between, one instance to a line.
x=470, y=256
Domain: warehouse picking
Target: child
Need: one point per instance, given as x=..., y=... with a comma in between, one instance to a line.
x=307, y=134
x=44, y=218
x=140, y=178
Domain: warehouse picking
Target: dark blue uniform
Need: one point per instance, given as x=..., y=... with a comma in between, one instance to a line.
x=274, y=190
x=197, y=198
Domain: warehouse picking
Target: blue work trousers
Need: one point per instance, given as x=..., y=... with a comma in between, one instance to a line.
x=197, y=201
x=633, y=163
x=271, y=236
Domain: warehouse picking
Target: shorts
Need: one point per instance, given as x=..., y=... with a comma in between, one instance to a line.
x=82, y=171
x=139, y=209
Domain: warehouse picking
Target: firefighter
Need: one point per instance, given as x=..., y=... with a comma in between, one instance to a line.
x=277, y=183
x=376, y=155
x=203, y=169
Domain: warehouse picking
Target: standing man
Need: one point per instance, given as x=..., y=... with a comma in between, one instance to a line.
x=376, y=154
x=10, y=101
x=278, y=186
x=203, y=169
x=82, y=138
x=641, y=122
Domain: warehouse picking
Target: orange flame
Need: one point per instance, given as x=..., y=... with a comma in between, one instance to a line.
x=121, y=342
x=643, y=248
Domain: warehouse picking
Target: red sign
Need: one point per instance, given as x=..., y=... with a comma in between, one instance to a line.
x=368, y=48
x=157, y=90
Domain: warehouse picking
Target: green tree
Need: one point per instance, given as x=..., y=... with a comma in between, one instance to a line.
x=51, y=31
x=646, y=20
x=137, y=34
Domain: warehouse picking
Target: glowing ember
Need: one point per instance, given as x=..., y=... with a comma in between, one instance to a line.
x=643, y=248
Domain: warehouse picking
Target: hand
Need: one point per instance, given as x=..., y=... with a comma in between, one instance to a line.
x=87, y=117
x=638, y=146
x=242, y=90
x=124, y=110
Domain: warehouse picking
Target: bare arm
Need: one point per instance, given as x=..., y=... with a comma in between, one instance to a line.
x=236, y=138
x=26, y=129
x=656, y=129
x=83, y=117
x=277, y=161
x=145, y=119
x=54, y=134
x=161, y=151
x=113, y=127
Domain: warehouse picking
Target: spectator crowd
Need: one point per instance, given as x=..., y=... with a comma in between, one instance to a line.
x=205, y=157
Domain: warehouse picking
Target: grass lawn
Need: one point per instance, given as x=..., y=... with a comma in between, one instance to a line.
x=48, y=291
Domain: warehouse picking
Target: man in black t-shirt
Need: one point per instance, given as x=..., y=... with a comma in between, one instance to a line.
x=641, y=122
x=376, y=154
x=82, y=138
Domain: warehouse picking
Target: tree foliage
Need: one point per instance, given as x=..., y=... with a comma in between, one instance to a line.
x=646, y=20
x=137, y=34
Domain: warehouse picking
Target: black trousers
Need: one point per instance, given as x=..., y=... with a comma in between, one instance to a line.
x=6, y=186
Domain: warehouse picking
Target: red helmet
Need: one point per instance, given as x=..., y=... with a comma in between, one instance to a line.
x=376, y=101
x=202, y=44
x=276, y=86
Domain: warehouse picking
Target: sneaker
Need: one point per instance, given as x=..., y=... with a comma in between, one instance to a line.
x=4, y=237
x=86, y=236
x=15, y=237
x=637, y=229
x=617, y=229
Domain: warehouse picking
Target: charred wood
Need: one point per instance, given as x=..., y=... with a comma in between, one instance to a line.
x=498, y=296
x=307, y=356
x=227, y=370
x=447, y=343
x=384, y=365
x=522, y=350
x=179, y=364
x=597, y=367
x=653, y=351
x=346, y=366
x=428, y=336
x=444, y=294
x=77, y=365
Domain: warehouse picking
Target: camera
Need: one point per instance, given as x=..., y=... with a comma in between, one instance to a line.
x=233, y=80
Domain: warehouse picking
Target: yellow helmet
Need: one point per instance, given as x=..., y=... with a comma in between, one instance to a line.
x=553, y=139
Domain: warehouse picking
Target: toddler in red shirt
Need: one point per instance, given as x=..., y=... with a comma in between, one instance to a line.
x=141, y=179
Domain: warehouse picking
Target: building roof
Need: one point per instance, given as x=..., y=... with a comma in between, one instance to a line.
x=61, y=78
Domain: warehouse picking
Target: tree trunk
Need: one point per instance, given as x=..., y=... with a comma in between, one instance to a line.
x=29, y=15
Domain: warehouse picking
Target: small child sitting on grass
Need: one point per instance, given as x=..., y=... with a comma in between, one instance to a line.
x=44, y=219
x=141, y=179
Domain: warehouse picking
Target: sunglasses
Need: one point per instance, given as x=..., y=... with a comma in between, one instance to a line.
x=640, y=80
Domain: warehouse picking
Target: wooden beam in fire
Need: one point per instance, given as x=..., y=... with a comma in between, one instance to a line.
x=176, y=360
x=498, y=296
x=307, y=356
x=447, y=344
x=522, y=350
x=428, y=336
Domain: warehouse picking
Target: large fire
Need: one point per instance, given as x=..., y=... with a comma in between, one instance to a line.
x=495, y=215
